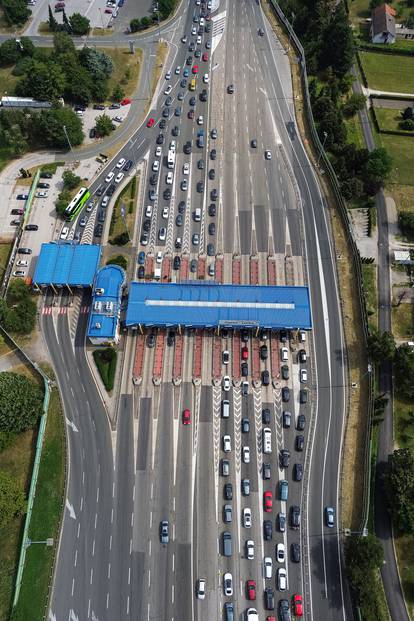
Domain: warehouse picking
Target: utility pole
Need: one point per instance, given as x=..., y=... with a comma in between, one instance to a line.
x=67, y=138
x=325, y=135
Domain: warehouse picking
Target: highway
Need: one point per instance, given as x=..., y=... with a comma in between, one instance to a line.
x=124, y=482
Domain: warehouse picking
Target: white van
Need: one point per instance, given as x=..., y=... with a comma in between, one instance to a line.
x=197, y=215
x=267, y=440
x=225, y=408
x=148, y=211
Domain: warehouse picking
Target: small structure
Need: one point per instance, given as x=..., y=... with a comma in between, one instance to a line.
x=403, y=257
x=383, y=24
x=24, y=102
x=66, y=265
x=103, y=328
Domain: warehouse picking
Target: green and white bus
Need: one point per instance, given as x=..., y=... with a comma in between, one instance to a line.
x=76, y=204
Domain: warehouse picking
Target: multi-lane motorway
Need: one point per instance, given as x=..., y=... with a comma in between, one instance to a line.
x=124, y=481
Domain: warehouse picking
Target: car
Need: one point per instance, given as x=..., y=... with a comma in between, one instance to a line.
x=41, y=194
x=329, y=517
x=245, y=425
x=168, y=75
x=286, y=419
x=151, y=122
x=301, y=422
x=160, y=139
x=19, y=273
x=156, y=166
x=228, y=491
x=195, y=69
x=17, y=212
x=111, y=189
x=206, y=78
x=214, y=194
x=171, y=337
x=164, y=532
x=201, y=588
x=200, y=166
x=225, y=467
x=186, y=417
x=166, y=113
x=280, y=553
x=114, y=106
x=83, y=221
x=244, y=336
x=281, y=579
x=64, y=232
x=168, y=101
x=144, y=239
x=49, y=175
x=297, y=472
x=253, y=143
x=195, y=240
x=212, y=210
x=118, y=119
x=203, y=95
x=245, y=388
x=184, y=39
x=43, y=186
x=247, y=517
x=266, y=416
x=303, y=376
x=284, y=458
x=268, y=567
x=119, y=177
x=284, y=354
x=214, y=133
x=168, y=90
x=226, y=383
x=226, y=444
x=167, y=194
x=268, y=155
x=297, y=605
x=245, y=487
x=200, y=120
x=169, y=177
x=251, y=614
x=285, y=394
x=146, y=225
x=141, y=271
x=153, y=179
x=260, y=32
x=285, y=371
x=300, y=443
x=267, y=501
x=179, y=221
x=244, y=368
x=264, y=352
x=266, y=471
x=295, y=517
x=269, y=599
x=181, y=207
x=22, y=263
x=295, y=552
x=109, y=177
x=265, y=377
x=284, y=610
x=302, y=356
x=230, y=89
x=267, y=530
x=228, y=584
x=187, y=147
x=208, y=45
x=303, y=396
x=178, y=70
x=205, y=57
x=162, y=233
x=193, y=266
x=184, y=185
x=211, y=250
x=227, y=514
x=197, y=53
x=31, y=227
x=151, y=340
x=246, y=454
x=178, y=111
x=251, y=590
x=190, y=116
x=128, y=165
x=225, y=356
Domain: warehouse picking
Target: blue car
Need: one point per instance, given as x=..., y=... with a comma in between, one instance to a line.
x=186, y=73
x=141, y=258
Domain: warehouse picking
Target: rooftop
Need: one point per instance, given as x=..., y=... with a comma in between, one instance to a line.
x=67, y=264
x=104, y=316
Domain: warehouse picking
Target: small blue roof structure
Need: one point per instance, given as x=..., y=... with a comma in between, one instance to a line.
x=67, y=264
x=209, y=305
x=106, y=304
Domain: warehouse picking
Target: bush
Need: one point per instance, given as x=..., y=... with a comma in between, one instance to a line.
x=18, y=311
x=120, y=240
x=120, y=260
x=406, y=222
x=20, y=402
x=12, y=500
x=407, y=125
x=105, y=360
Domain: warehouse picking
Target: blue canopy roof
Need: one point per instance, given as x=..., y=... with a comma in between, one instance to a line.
x=210, y=305
x=67, y=264
x=106, y=301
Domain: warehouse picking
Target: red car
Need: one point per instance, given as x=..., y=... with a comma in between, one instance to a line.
x=245, y=353
x=268, y=501
x=151, y=123
x=191, y=114
x=108, y=10
x=186, y=417
x=205, y=57
x=297, y=605
x=126, y=101
x=251, y=589
x=195, y=69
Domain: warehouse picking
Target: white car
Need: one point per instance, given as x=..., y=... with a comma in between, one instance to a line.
x=284, y=354
x=226, y=383
x=247, y=517
x=184, y=185
x=64, y=233
x=169, y=178
x=158, y=152
x=165, y=213
x=250, y=549
x=119, y=177
x=206, y=79
x=201, y=588
x=228, y=585
x=121, y=162
x=226, y=444
x=173, y=145
x=186, y=169
x=303, y=376
x=162, y=233
x=177, y=70
x=280, y=553
x=193, y=30
x=200, y=120
x=251, y=614
x=168, y=90
x=268, y=567
x=19, y=273
x=22, y=263
x=246, y=454
x=109, y=177
x=268, y=155
x=156, y=166
x=159, y=257
x=168, y=75
x=281, y=579
x=41, y=194
x=198, y=40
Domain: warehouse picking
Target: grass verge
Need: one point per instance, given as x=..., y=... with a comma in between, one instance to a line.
x=354, y=132
x=369, y=277
x=105, y=360
x=5, y=249
x=385, y=72
x=389, y=119
x=127, y=68
x=46, y=516
x=162, y=50
x=403, y=321
x=127, y=200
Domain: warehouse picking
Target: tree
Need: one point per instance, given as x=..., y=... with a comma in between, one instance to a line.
x=399, y=488
x=407, y=125
x=354, y=104
x=381, y=346
x=10, y=53
x=15, y=11
x=363, y=557
x=406, y=222
x=99, y=64
x=120, y=260
x=63, y=44
x=53, y=25
x=378, y=166
x=15, y=140
x=404, y=369
x=409, y=22
x=62, y=202
x=70, y=180
x=337, y=45
x=79, y=24
x=12, y=500
x=46, y=82
x=20, y=402
x=103, y=124
x=374, y=3
x=135, y=24
x=49, y=130
x=408, y=113
x=145, y=22
x=27, y=47
x=118, y=93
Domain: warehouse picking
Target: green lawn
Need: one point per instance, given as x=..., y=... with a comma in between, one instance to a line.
x=403, y=321
x=369, y=277
x=354, y=132
x=405, y=553
x=401, y=149
x=389, y=73
x=389, y=119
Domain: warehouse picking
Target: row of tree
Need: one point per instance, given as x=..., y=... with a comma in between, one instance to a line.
x=406, y=222
x=364, y=557
x=382, y=347
x=18, y=310
x=70, y=182
x=76, y=24
x=16, y=12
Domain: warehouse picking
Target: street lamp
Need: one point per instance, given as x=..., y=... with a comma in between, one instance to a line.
x=67, y=138
x=325, y=135
x=290, y=29
x=368, y=371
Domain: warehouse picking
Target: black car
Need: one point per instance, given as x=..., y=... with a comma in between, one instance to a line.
x=189, y=60
x=267, y=530
x=177, y=111
x=92, y=132
x=303, y=396
x=283, y=335
x=295, y=553
x=245, y=486
x=267, y=473
x=266, y=416
x=191, y=47
x=183, y=83
x=177, y=263
x=245, y=425
x=285, y=394
x=212, y=210
x=299, y=443
x=187, y=147
x=263, y=352
x=98, y=230
x=175, y=130
x=31, y=227
x=297, y=472
x=166, y=113
x=269, y=598
x=265, y=377
x=301, y=422
x=192, y=101
x=286, y=419
x=295, y=517
x=285, y=372
x=211, y=228
x=197, y=53
x=302, y=355
x=213, y=154
x=128, y=165
x=211, y=251
x=244, y=369
x=144, y=239
x=228, y=491
x=230, y=89
x=160, y=139
x=141, y=271
x=284, y=458
x=253, y=143
x=99, y=107
x=244, y=336
x=46, y=175
x=101, y=215
x=151, y=340
x=171, y=338
x=200, y=186
x=111, y=189
x=203, y=95
x=284, y=610
x=146, y=225
x=211, y=173
x=214, y=194
x=200, y=164
x=168, y=101
x=154, y=179
x=179, y=220
x=162, y=124
x=167, y=194
x=43, y=186
x=193, y=266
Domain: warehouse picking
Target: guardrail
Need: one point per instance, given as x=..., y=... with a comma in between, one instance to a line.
x=322, y=157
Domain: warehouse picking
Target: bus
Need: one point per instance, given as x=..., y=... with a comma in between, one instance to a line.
x=193, y=84
x=76, y=204
x=171, y=159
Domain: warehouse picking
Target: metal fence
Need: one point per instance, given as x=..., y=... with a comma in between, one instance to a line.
x=323, y=158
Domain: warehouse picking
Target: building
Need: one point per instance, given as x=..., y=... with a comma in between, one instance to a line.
x=66, y=265
x=383, y=24
x=20, y=103
x=103, y=327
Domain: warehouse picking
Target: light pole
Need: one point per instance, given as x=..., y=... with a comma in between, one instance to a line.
x=367, y=372
x=67, y=138
x=290, y=29
x=325, y=135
